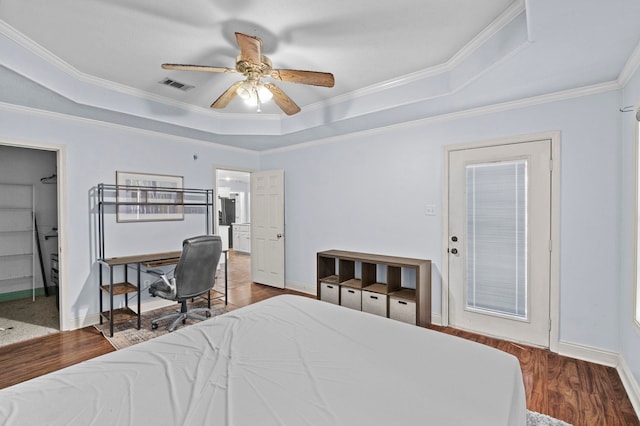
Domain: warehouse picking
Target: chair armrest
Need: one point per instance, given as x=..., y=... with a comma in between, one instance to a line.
x=164, y=285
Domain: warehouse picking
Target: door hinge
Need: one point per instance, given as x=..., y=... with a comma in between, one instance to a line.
x=550, y=165
x=550, y=245
x=549, y=325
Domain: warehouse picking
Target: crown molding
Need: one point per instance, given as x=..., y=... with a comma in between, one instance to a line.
x=73, y=72
x=630, y=67
x=512, y=12
x=489, y=109
x=83, y=120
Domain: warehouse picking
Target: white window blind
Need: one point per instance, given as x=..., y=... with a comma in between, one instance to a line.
x=496, y=246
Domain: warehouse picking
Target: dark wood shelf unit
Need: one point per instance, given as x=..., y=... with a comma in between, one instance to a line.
x=353, y=283
x=404, y=294
x=337, y=270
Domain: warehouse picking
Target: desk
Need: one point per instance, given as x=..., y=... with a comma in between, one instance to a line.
x=138, y=262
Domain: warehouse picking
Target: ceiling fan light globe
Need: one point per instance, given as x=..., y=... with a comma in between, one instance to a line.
x=244, y=92
x=252, y=100
x=264, y=93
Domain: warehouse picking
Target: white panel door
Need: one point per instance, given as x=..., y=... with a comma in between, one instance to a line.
x=267, y=228
x=499, y=240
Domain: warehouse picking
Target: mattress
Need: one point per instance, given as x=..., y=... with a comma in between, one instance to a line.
x=288, y=360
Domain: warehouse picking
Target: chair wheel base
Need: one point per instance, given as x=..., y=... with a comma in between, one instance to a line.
x=154, y=326
x=208, y=314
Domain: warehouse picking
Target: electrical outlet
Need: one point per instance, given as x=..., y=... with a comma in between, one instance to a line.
x=430, y=210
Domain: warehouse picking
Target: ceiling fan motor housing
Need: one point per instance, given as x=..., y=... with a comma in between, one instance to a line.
x=253, y=70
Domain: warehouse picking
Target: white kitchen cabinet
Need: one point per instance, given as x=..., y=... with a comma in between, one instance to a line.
x=242, y=237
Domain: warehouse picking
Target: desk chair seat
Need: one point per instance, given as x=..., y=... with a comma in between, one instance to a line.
x=194, y=275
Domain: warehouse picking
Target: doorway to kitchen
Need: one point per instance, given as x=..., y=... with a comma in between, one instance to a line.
x=233, y=209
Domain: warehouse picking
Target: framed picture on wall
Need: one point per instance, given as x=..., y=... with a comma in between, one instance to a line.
x=143, y=197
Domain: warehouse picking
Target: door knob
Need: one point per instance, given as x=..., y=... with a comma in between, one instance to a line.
x=278, y=236
x=454, y=251
x=454, y=238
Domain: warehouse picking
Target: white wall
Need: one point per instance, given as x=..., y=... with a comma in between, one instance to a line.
x=91, y=153
x=368, y=193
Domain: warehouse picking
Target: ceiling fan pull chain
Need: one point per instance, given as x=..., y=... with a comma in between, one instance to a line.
x=258, y=102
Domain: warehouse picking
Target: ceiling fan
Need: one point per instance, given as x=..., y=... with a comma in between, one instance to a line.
x=255, y=66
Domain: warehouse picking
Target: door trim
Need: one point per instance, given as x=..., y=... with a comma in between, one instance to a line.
x=554, y=279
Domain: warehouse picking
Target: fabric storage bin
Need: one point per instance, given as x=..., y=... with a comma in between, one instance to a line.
x=330, y=293
x=402, y=310
x=351, y=298
x=374, y=303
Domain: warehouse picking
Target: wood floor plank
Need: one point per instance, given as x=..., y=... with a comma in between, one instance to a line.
x=32, y=358
x=578, y=392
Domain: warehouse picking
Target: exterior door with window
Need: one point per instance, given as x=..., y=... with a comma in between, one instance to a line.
x=499, y=240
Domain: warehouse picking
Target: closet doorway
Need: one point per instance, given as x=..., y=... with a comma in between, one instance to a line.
x=29, y=306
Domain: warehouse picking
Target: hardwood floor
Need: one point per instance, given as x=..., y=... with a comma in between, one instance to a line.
x=578, y=392
x=32, y=358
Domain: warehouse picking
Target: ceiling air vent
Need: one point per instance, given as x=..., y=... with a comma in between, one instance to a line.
x=176, y=84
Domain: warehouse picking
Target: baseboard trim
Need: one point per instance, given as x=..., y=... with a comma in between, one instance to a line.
x=85, y=321
x=609, y=359
x=630, y=384
x=588, y=353
x=303, y=288
x=24, y=294
x=157, y=303
x=93, y=319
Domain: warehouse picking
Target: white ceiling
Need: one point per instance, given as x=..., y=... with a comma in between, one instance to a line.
x=363, y=43
x=393, y=61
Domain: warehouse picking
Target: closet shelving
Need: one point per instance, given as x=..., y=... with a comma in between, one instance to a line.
x=17, y=237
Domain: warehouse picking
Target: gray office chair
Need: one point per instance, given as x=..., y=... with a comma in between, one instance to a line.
x=193, y=276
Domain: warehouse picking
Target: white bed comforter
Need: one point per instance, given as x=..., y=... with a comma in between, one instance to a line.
x=288, y=360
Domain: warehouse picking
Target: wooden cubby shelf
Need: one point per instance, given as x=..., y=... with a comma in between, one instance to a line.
x=389, y=286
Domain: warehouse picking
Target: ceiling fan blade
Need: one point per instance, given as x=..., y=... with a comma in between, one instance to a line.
x=205, y=68
x=282, y=100
x=250, y=48
x=314, y=78
x=224, y=99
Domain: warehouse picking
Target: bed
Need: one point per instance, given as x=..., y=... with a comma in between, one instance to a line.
x=288, y=360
